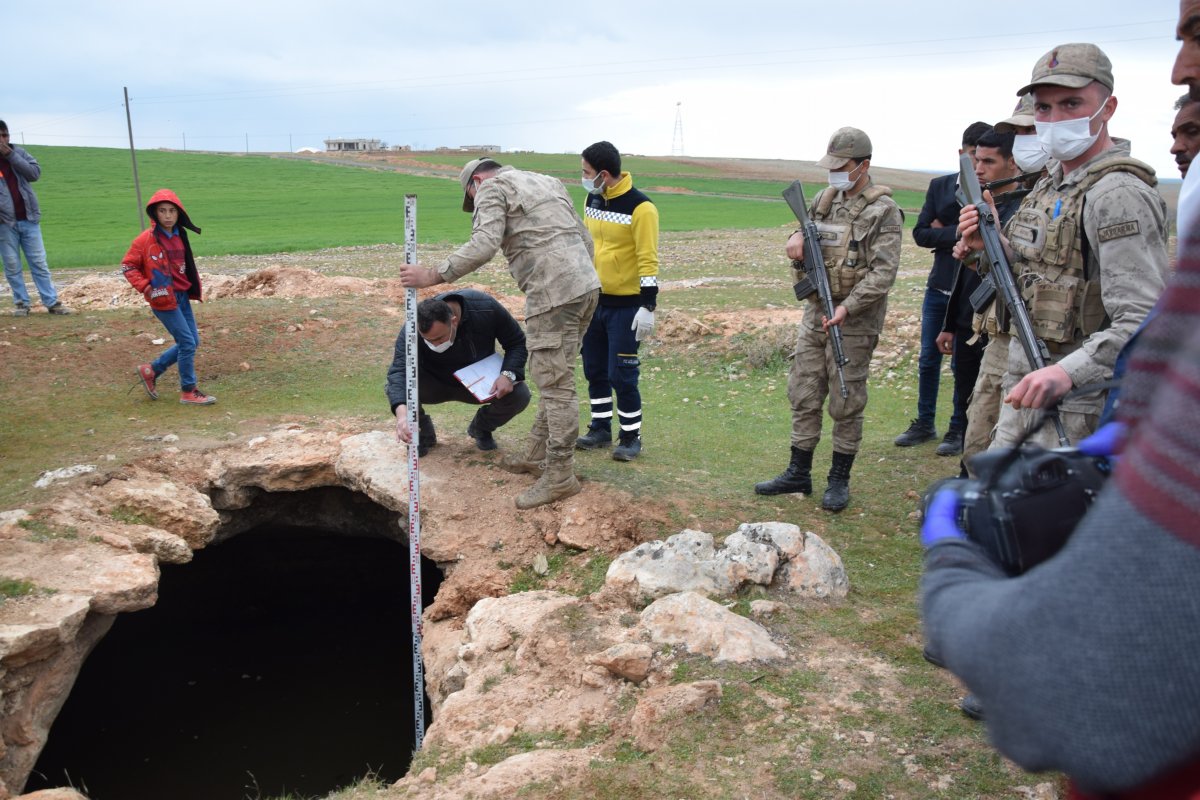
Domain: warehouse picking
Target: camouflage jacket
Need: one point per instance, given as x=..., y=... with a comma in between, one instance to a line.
x=531, y=219
x=1125, y=233
x=877, y=229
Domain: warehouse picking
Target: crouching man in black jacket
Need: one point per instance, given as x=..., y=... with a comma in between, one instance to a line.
x=458, y=329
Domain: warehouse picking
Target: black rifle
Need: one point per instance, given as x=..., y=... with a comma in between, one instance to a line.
x=816, y=279
x=1001, y=275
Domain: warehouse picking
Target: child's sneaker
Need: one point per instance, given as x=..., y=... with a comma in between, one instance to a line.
x=59, y=309
x=147, y=377
x=195, y=397
x=20, y=310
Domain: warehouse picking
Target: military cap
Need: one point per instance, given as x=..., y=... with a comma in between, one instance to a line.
x=845, y=144
x=1073, y=66
x=1022, y=116
x=464, y=178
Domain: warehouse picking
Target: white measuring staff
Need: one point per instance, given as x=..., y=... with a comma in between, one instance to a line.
x=412, y=398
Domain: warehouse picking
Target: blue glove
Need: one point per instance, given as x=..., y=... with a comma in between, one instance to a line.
x=1108, y=441
x=941, y=519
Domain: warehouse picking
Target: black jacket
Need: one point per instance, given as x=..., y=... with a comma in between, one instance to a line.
x=940, y=205
x=484, y=322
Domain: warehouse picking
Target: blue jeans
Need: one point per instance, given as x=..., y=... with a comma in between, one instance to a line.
x=182, y=326
x=26, y=236
x=611, y=365
x=929, y=363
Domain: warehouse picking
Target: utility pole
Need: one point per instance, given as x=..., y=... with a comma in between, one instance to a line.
x=185, y=142
x=677, y=138
x=137, y=185
x=247, y=144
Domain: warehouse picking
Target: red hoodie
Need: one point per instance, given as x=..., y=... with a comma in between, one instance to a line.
x=146, y=265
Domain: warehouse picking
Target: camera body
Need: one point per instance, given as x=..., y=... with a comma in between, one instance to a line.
x=1025, y=502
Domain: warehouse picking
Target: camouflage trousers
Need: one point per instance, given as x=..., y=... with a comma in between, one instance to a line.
x=813, y=377
x=984, y=407
x=553, y=339
x=1079, y=416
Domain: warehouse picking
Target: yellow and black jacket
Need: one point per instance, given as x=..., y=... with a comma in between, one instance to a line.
x=624, y=227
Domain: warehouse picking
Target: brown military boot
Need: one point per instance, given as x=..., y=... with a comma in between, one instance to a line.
x=532, y=463
x=557, y=482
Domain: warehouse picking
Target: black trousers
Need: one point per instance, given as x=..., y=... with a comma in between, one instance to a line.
x=492, y=415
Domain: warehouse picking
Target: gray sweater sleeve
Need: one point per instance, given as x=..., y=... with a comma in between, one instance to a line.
x=1086, y=664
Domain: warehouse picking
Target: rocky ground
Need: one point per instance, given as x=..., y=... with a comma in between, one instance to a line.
x=548, y=676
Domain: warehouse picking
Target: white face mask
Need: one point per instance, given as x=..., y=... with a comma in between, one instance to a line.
x=593, y=185
x=444, y=346
x=842, y=180
x=1070, y=138
x=1028, y=153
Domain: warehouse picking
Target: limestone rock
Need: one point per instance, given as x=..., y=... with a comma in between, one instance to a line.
x=707, y=628
x=116, y=581
x=288, y=460
x=763, y=553
x=684, y=562
x=495, y=622
x=53, y=794
x=766, y=608
x=377, y=465
x=63, y=474
x=181, y=510
x=658, y=707
x=816, y=572
x=560, y=769
x=627, y=660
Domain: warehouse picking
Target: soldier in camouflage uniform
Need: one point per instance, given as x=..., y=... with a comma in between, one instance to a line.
x=1087, y=248
x=530, y=218
x=860, y=240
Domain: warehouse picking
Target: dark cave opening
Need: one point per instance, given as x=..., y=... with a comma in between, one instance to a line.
x=278, y=663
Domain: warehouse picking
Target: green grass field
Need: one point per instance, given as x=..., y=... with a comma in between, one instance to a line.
x=262, y=204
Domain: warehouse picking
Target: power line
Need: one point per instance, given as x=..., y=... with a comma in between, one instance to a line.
x=685, y=62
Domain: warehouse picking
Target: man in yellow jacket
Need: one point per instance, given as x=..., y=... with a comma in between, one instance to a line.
x=624, y=227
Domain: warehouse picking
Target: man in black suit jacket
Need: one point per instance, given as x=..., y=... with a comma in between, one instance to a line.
x=936, y=229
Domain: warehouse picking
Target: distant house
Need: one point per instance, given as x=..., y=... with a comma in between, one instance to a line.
x=353, y=145
x=470, y=148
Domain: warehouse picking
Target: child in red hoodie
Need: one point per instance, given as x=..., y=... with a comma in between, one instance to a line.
x=160, y=265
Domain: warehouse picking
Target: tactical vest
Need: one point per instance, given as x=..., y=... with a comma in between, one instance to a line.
x=1047, y=236
x=847, y=260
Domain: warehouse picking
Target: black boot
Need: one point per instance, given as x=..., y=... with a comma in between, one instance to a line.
x=628, y=447
x=837, y=493
x=796, y=478
x=480, y=431
x=426, y=433
x=597, y=437
x=952, y=443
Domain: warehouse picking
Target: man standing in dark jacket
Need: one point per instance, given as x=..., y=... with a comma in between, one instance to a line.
x=458, y=329
x=19, y=228
x=936, y=229
x=993, y=162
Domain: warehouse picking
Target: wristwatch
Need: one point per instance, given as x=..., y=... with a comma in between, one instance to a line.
x=508, y=373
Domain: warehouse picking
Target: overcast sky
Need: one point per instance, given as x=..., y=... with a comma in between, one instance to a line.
x=751, y=79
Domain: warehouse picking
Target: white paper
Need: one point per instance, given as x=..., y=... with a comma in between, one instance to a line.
x=481, y=376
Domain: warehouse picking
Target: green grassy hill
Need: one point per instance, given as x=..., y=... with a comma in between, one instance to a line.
x=263, y=204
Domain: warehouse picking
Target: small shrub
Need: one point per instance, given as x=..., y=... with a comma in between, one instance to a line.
x=765, y=348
